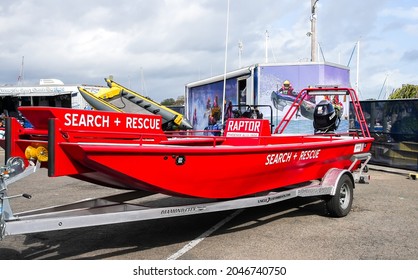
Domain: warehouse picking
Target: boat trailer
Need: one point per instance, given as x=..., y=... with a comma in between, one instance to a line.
x=336, y=188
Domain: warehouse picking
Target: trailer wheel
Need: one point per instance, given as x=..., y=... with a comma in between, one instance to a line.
x=339, y=205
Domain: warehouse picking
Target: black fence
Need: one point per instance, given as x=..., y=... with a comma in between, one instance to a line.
x=394, y=125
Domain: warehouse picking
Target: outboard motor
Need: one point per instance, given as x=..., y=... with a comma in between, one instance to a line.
x=326, y=118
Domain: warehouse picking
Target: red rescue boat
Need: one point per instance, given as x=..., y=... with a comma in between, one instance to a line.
x=131, y=151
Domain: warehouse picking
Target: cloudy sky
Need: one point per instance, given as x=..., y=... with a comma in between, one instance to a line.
x=156, y=47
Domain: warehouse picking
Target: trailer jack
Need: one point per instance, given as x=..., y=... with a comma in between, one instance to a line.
x=13, y=171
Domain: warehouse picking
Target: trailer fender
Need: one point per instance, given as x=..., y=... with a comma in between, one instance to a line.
x=333, y=176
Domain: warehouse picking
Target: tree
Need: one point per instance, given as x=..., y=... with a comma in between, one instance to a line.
x=180, y=100
x=406, y=91
x=168, y=102
x=171, y=101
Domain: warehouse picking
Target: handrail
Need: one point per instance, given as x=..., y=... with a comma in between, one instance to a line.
x=324, y=91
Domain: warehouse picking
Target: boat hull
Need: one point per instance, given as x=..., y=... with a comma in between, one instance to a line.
x=214, y=172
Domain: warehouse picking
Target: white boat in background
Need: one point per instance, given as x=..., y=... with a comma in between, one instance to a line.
x=49, y=92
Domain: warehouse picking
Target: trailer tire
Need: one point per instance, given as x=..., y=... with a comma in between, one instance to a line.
x=339, y=205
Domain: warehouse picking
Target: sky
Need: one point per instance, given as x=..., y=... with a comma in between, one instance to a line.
x=157, y=47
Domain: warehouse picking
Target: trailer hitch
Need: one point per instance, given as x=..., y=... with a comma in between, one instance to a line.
x=12, y=171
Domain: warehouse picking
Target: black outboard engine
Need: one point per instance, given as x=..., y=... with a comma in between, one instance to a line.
x=326, y=118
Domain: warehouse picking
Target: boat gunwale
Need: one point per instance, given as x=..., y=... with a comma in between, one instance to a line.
x=156, y=148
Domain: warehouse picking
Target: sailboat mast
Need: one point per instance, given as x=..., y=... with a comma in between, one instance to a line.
x=240, y=48
x=267, y=48
x=313, y=32
x=21, y=74
x=226, y=59
x=358, y=67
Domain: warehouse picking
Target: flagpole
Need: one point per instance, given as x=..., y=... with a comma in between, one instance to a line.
x=226, y=58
